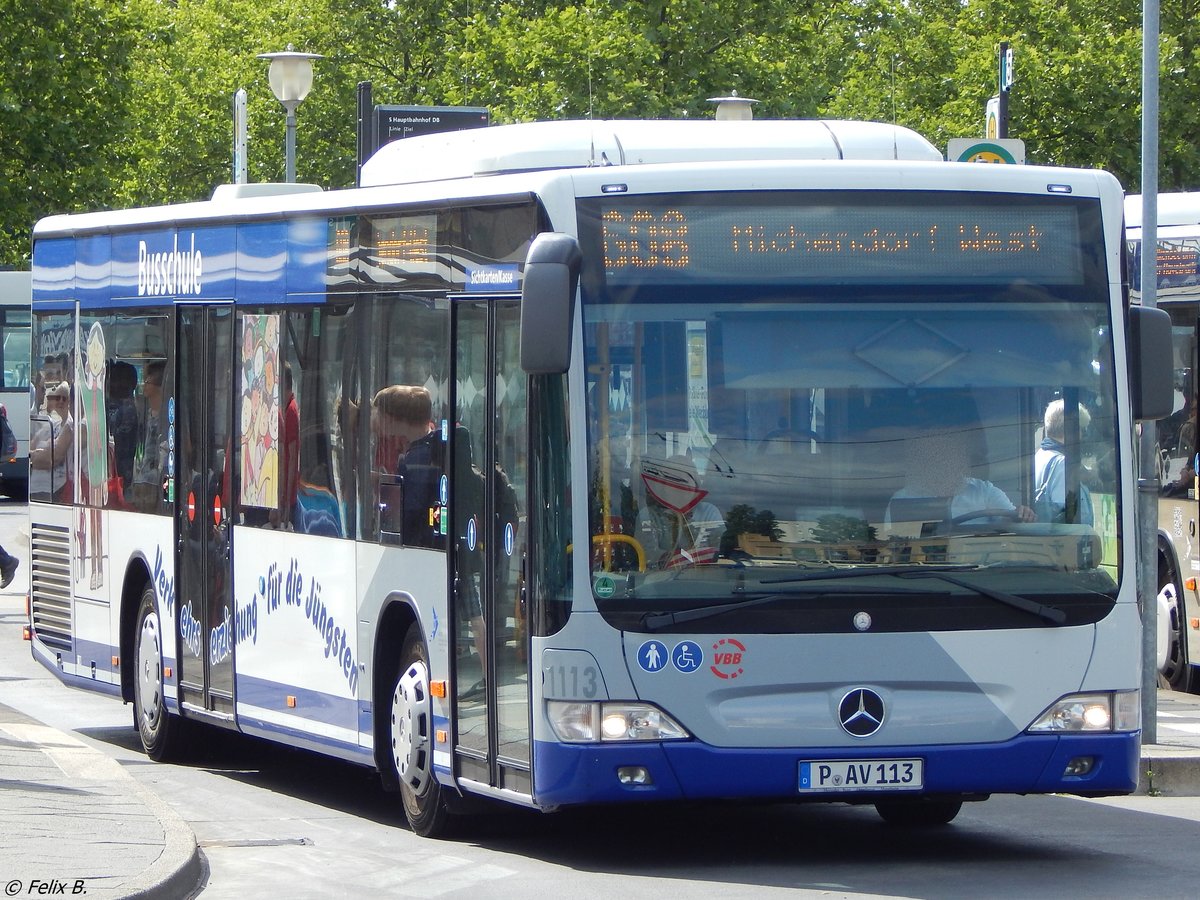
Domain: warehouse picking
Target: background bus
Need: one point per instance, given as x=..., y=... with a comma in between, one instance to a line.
x=15, y=293
x=579, y=462
x=1178, y=293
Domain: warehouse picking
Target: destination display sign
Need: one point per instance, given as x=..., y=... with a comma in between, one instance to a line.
x=1178, y=263
x=894, y=237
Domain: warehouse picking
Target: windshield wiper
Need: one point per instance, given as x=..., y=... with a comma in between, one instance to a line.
x=659, y=621
x=1051, y=614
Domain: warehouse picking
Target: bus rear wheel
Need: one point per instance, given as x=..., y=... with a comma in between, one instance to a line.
x=1177, y=670
x=918, y=812
x=158, y=730
x=411, y=740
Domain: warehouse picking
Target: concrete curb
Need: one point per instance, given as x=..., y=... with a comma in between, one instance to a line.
x=1170, y=767
x=178, y=870
x=1168, y=771
x=71, y=765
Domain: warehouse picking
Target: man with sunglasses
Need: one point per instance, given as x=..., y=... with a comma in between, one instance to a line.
x=50, y=446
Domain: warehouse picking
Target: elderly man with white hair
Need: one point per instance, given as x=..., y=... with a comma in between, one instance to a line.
x=1050, y=482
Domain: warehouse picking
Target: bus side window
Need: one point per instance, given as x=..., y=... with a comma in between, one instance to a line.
x=406, y=386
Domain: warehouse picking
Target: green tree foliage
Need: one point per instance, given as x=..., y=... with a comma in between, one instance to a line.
x=839, y=529
x=126, y=102
x=192, y=58
x=64, y=107
x=745, y=519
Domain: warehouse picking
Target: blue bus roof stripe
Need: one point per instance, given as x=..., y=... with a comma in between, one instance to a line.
x=250, y=262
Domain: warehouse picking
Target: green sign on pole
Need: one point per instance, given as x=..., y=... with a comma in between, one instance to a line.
x=1006, y=151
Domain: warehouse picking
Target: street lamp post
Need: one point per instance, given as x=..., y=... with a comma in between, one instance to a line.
x=291, y=77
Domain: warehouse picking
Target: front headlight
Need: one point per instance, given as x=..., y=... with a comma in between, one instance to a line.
x=585, y=723
x=1107, y=712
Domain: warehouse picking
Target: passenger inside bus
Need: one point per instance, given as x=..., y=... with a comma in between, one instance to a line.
x=289, y=454
x=50, y=445
x=410, y=458
x=123, y=418
x=1050, y=488
x=151, y=451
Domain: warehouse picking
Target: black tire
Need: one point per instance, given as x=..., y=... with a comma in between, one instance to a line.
x=918, y=812
x=410, y=739
x=1177, y=671
x=160, y=732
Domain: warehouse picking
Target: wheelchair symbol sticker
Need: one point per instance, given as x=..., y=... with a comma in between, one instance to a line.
x=687, y=656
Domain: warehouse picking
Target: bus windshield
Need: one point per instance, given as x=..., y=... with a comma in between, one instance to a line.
x=783, y=388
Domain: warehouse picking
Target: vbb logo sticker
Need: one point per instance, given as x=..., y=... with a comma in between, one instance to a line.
x=728, y=654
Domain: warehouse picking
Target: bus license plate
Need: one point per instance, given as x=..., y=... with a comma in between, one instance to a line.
x=861, y=775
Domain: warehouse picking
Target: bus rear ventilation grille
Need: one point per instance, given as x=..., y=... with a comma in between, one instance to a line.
x=50, y=585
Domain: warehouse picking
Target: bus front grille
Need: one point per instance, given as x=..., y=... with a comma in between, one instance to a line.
x=50, y=585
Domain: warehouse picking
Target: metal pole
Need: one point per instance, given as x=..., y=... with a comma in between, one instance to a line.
x=1002, y=114
x=1148, y=485
x=366, y=128
x=239, y=137
x=290, y=147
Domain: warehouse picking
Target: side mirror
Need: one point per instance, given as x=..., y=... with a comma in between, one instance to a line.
x=548, y=303
x=1151, y=378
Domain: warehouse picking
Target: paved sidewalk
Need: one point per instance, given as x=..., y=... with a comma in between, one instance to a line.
x=1171, y=765
x=74, y=823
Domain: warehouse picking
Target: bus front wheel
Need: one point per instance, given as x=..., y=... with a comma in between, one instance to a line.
x=158, y=730
x=411, y=740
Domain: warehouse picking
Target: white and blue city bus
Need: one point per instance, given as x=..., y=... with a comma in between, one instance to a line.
x=15, y=292
x=603, y=462
x=1177, y=263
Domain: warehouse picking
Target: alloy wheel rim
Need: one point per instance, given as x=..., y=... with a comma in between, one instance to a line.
x=149, y=672
x=410, y=727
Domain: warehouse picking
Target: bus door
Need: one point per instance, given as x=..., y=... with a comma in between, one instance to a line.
x=200, y=429
x=487, y=445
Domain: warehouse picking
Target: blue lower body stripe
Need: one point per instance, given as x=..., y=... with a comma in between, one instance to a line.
x=569, y=774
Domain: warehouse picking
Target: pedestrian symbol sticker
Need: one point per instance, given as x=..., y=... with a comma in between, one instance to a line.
x=687, y=656
x=652, y=656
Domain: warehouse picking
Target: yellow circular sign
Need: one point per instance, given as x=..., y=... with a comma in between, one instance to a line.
x=985, y=152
